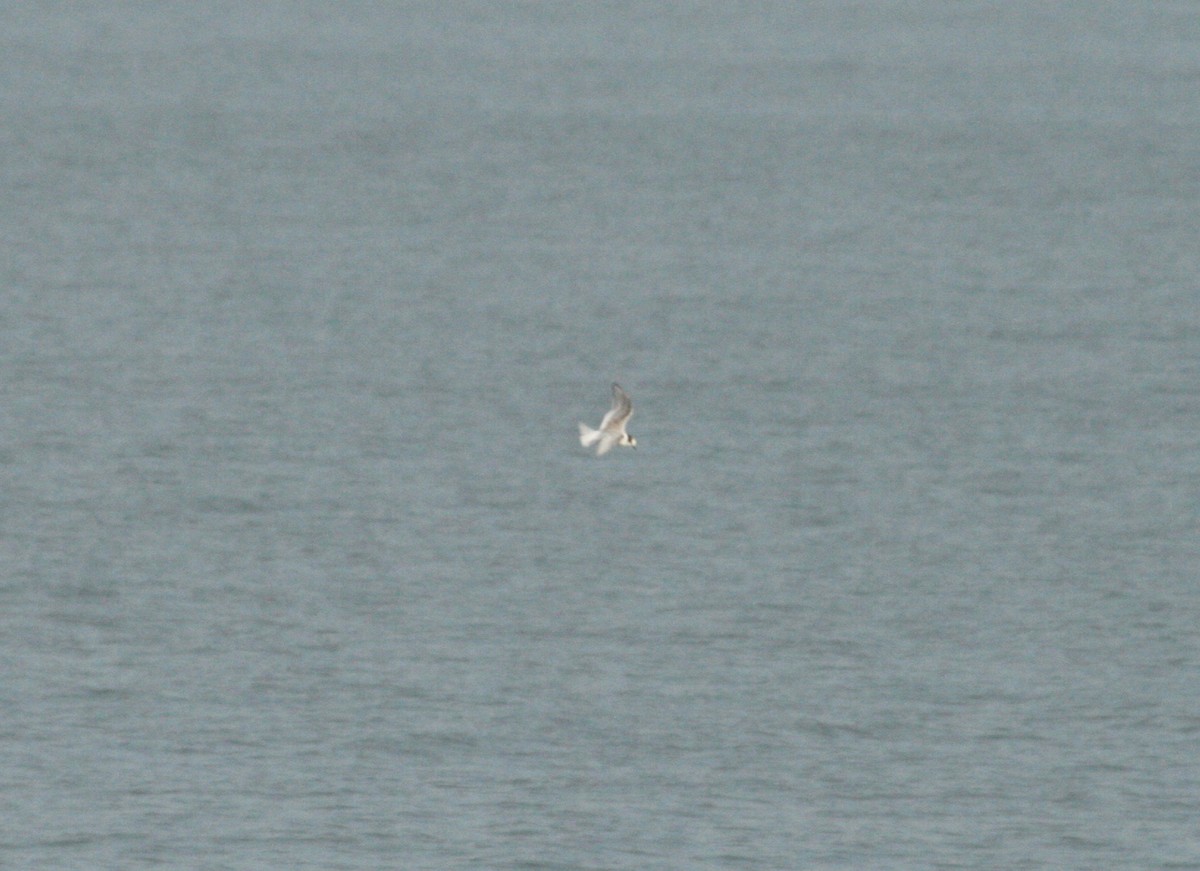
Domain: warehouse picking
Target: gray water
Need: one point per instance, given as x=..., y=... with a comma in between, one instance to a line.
x=302, y=564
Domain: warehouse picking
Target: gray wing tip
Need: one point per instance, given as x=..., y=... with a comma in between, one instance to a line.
x=622, y=404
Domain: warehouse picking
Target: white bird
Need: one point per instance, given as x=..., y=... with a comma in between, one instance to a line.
x=612, y=427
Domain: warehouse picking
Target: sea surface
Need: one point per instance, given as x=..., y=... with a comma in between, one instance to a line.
x=302, y=565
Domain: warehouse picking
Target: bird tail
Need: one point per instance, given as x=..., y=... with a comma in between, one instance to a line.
x=587, y=435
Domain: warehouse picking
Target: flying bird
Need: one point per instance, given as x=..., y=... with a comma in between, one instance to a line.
x=612, y=427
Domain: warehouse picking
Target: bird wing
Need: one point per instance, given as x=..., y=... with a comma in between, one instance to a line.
x=607, y=440
x=621, y=411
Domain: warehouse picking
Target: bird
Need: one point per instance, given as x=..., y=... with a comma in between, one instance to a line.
x=612, y=427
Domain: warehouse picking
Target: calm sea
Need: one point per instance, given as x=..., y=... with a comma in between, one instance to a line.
x=302, y=564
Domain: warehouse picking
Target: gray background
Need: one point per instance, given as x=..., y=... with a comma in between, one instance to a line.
x=302, y=565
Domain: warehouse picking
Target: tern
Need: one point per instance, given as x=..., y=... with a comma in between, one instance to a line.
x=612, y=427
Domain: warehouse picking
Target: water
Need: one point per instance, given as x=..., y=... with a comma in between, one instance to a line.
x=301, y=565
